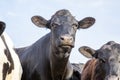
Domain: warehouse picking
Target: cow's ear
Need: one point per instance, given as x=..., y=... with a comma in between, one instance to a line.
x=2, y=27
x=39, y=21
x=86, y=22
x=87, y=51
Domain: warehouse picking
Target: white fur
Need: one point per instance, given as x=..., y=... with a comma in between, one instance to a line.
x=69, y=72
x=17, y=71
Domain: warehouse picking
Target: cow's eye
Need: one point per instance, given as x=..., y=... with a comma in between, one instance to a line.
x=112, y=59
x=102, y=60
x=119, y=61
x=75, y=26
x=54, y=24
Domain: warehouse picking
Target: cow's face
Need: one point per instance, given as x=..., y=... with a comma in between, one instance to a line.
x=2, y=27
x=63, y=29
x=108, y=57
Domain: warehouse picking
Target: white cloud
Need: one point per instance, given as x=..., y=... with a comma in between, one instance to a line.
x=81, y=3
x=22, y=1
x=98, y=3
x=1, y=18
x=12, y=14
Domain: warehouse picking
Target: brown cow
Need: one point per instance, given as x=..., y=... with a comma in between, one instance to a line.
x=105, y=64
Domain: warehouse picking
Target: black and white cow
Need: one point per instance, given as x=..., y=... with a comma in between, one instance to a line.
x=10, y=66
x=48, y=58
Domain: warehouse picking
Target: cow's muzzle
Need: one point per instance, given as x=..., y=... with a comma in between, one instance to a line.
x=66, y=41
x=112, y=77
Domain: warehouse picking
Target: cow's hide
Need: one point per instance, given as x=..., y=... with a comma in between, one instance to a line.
x=10, y=67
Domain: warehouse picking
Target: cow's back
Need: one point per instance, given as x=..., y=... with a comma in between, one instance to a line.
x=88, y=70
x=35, y=59
x=92, y=70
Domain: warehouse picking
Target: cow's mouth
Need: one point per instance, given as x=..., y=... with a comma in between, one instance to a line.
x=112, y=77
x=63, y=51
x=66, y=48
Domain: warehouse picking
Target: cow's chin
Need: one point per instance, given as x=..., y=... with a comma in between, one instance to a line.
x=65, y=48
x=63, y=52
x=112, y=78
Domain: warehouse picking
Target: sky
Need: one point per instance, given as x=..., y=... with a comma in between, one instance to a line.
x=17, y=16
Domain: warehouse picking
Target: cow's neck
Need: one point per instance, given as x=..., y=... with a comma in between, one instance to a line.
x=58, y=66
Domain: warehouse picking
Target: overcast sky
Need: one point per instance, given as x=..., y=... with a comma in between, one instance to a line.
x=17, y=16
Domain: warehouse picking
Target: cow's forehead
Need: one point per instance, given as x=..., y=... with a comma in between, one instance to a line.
x=108, y=45
x=110, y=49
x=63, y=16
x=111, y=46
x=63, y=13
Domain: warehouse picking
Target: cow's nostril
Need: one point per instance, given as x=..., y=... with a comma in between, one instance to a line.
x=61, y=38
x=71, y=38
x=66, y=38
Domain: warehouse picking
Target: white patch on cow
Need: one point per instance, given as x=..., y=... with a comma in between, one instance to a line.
x=3, y=58
x=17, y=72
x=69, y=72
x=67, y=55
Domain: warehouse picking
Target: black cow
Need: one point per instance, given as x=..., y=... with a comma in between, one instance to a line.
x=48, y=58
